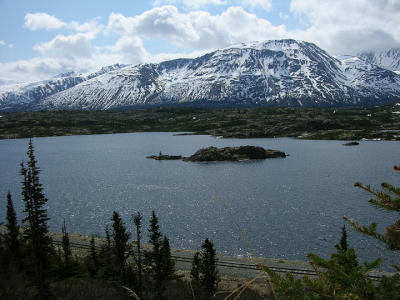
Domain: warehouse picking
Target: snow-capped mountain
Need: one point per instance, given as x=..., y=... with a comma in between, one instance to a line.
x=278, y=72
x=388, y=59
x=27, y=95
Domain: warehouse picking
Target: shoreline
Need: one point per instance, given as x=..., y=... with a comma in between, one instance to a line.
x=311, y=123
x=179, y=133
x=234, y=268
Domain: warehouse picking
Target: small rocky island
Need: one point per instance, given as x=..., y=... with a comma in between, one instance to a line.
x=351, y=144
x=164, y=157
x=225, y=154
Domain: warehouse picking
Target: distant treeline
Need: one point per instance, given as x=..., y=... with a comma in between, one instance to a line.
x=344, y=123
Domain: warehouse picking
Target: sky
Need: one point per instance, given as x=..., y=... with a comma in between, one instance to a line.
x=42, y=38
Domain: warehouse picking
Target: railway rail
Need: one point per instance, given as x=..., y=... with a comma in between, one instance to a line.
x=227, y=263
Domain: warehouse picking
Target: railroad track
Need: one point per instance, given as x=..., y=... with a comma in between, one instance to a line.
x=227, y=263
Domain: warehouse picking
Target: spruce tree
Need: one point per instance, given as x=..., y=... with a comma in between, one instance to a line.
x=108, y=238
x=343, y=240
x=155, y=236
x=92, y=251
x=167, y=263
x=106, y=257
x=121, y=237
x=155, y=257
x=387, y=199
x=340, y=277
x=166, y=267
x=12, y=234
x=137, y=220
x=92, y=260
x=66, y=250
x=36, y=229
x=195, y=273
x=209, y=268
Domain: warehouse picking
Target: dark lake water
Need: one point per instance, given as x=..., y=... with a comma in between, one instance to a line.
x=287, y=207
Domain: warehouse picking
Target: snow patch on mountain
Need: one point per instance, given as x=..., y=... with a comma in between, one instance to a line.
x=388, y=59
x=278, y=72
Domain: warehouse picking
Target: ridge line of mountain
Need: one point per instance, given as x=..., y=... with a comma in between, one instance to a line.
x=276, y=72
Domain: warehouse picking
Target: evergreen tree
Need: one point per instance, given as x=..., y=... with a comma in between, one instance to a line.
x=155, y=236
x=92, y=260
x=121, y=237
x=340, y=277
x=108, y=238
x=195, y=273
x=346, y=257
x=137, y=220
x=12, y=234
x=106, y=257
x=92, y=251
x=167, y=263
x=36, y=220
x=387, y=199
x=209, y=268
x=343, y=239
x=166, y=267
x=67, y=254
x=155, y=257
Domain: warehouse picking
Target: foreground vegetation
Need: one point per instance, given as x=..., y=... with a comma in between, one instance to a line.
x=32, y=268
x=344, y=123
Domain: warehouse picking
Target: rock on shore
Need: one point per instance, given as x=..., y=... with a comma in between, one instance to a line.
x=234, y=154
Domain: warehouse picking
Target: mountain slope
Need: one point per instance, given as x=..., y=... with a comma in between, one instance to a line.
x=27, y=95
x=388, y=59
x=280, y=72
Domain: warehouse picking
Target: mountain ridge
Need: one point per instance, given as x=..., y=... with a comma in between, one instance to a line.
x=276, y=72
x=388, y=59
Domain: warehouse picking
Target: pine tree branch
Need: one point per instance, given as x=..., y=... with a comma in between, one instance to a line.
x=370, y=230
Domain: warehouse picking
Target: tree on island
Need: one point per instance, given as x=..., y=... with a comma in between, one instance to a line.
x=36, y=230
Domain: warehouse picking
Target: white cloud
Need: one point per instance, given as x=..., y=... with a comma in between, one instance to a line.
x=131, y=50
x=253, y=4
x=337, y=26
x=3, y=43
x=343, y=26
x=196, y=30
x=283, y=16
x=37, y=21
x=71, y=46
x=191, y=4
x=41, y=68
x=43, y=21
x=197, y=4
x=92, y=26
